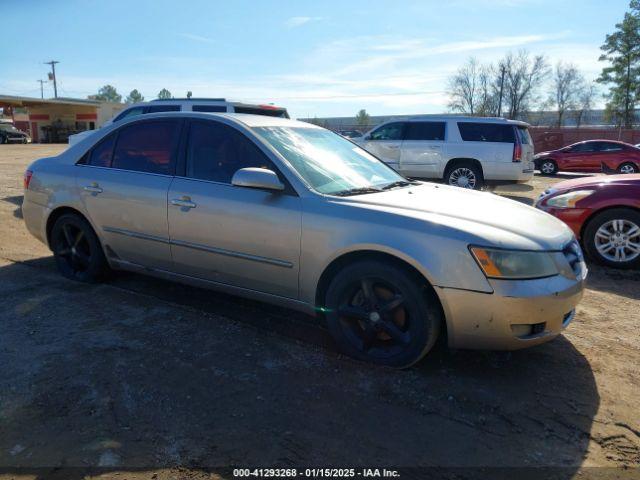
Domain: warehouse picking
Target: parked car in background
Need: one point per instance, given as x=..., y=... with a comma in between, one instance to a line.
x=350, y=133
x=590, y=156
x=10, y=134
x=188, y=105
x=294, y=214
x=604, y=213
x=466, y=152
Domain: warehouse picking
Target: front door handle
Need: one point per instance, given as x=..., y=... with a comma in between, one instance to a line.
x=393, y=146
x=93, y=188
x=184, y=202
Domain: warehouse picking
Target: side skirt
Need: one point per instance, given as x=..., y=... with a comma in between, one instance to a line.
x=119, y=264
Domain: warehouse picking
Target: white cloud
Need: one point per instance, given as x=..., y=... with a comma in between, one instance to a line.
x=294, y=22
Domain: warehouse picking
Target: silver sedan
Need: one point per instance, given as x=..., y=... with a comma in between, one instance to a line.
x=290, y=213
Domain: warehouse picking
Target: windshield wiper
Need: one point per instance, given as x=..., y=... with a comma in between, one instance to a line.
x=357, y=191
x=399, y=183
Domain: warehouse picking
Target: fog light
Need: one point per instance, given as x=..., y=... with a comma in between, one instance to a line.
x=521, y=330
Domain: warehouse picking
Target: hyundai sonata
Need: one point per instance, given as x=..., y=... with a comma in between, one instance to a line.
x=291, y=213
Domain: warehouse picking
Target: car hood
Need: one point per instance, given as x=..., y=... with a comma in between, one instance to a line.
x=599, y=180
x=484, y=218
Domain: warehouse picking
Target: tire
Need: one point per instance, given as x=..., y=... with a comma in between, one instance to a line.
x=379, y=313
x=77, y=250
x=628, y=167
x=3, y=139
x=620, y=227
x=24, y=141
x=464, y=175
x=548, y=167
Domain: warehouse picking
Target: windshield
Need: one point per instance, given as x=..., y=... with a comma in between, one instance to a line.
x=328, y=162
x=6, y=126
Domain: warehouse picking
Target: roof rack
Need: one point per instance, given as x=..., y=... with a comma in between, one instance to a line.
x=189, y=99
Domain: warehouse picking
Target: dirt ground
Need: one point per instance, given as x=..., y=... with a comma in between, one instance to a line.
x=141, y=378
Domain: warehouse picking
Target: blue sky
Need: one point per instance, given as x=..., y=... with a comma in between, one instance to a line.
x=318, y=58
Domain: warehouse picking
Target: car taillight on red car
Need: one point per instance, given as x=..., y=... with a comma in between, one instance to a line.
x=27, y=179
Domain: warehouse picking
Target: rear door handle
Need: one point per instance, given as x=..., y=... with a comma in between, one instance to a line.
x=184, y=202
x=93, y=188
x=394, y=146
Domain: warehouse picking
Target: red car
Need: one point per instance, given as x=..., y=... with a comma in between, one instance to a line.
x=591, y=156
x=604, y=213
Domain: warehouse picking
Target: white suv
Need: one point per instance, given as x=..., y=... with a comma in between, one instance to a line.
x=463, y=151
x=188, y=105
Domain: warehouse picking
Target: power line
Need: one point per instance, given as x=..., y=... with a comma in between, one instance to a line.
x=42, y=82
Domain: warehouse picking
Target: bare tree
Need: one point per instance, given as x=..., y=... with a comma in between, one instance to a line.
x=586, y=99
x=567, y=86
x=522, y=80
x=471, y=89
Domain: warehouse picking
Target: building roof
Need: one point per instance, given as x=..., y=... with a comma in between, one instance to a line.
x=18, y=101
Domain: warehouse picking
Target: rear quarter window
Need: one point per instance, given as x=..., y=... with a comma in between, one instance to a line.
x=209, y=108
x=486, y=132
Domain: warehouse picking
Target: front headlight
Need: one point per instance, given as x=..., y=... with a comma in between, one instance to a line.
x=569, y=199
x=514, y=264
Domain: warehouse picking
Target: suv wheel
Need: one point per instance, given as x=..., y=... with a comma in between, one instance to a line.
x=378, y=313
x=627, y=167
x=465, y=175
x=77, y=250
x=549, y=167
x=612, y=238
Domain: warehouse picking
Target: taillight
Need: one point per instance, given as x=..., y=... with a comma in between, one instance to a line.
x=517, y=152
x=27, y=179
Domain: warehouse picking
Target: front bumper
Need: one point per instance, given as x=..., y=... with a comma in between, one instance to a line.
x=573, y=217
x=493, y=321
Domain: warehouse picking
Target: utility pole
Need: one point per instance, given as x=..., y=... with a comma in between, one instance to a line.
x=42, y=82
x=52, y=76
x=502, y=71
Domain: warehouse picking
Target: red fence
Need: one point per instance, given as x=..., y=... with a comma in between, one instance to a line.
x=550, y=138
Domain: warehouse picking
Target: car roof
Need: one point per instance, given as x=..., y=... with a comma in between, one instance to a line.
x=602, y=140
x=458, y=118
x=246, y=119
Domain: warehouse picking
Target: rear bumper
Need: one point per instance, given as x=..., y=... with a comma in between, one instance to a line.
x=543, y=308
x=508, y=172
x=35, y=218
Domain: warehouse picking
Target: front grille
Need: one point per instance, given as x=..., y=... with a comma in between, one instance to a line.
x=573, y=254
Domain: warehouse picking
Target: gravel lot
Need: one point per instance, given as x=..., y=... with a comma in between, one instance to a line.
x=149, y=379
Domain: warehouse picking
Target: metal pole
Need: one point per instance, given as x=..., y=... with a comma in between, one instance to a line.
x=53, y=73
x=42, y=82
x=501, y=89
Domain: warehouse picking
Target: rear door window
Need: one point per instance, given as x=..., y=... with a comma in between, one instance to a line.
x=609, y=147
x=269, y=112
x=209, y=108
x=486, y=132
x=101, y=154
x=390, y=131
x=424, y=131
x=162, y=108
x=216, y=151
x=148, y=147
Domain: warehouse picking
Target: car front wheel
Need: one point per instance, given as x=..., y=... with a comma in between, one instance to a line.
x=379, y=313
x=548, y=167
x=77, y=250
x=612, y=238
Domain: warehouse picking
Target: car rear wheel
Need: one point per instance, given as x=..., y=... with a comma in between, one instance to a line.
x=77, y=250
x=379, y=313
x=612, y=238
x=465, y=175
x=549, y=167
x=628, y=167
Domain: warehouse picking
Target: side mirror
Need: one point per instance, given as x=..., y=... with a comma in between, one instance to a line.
x=257, y=178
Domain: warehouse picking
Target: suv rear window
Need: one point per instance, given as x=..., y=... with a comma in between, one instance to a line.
x=486, y=132
x=524, y=135
x=269, y=112
x=162, y=108
x=424, y=131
